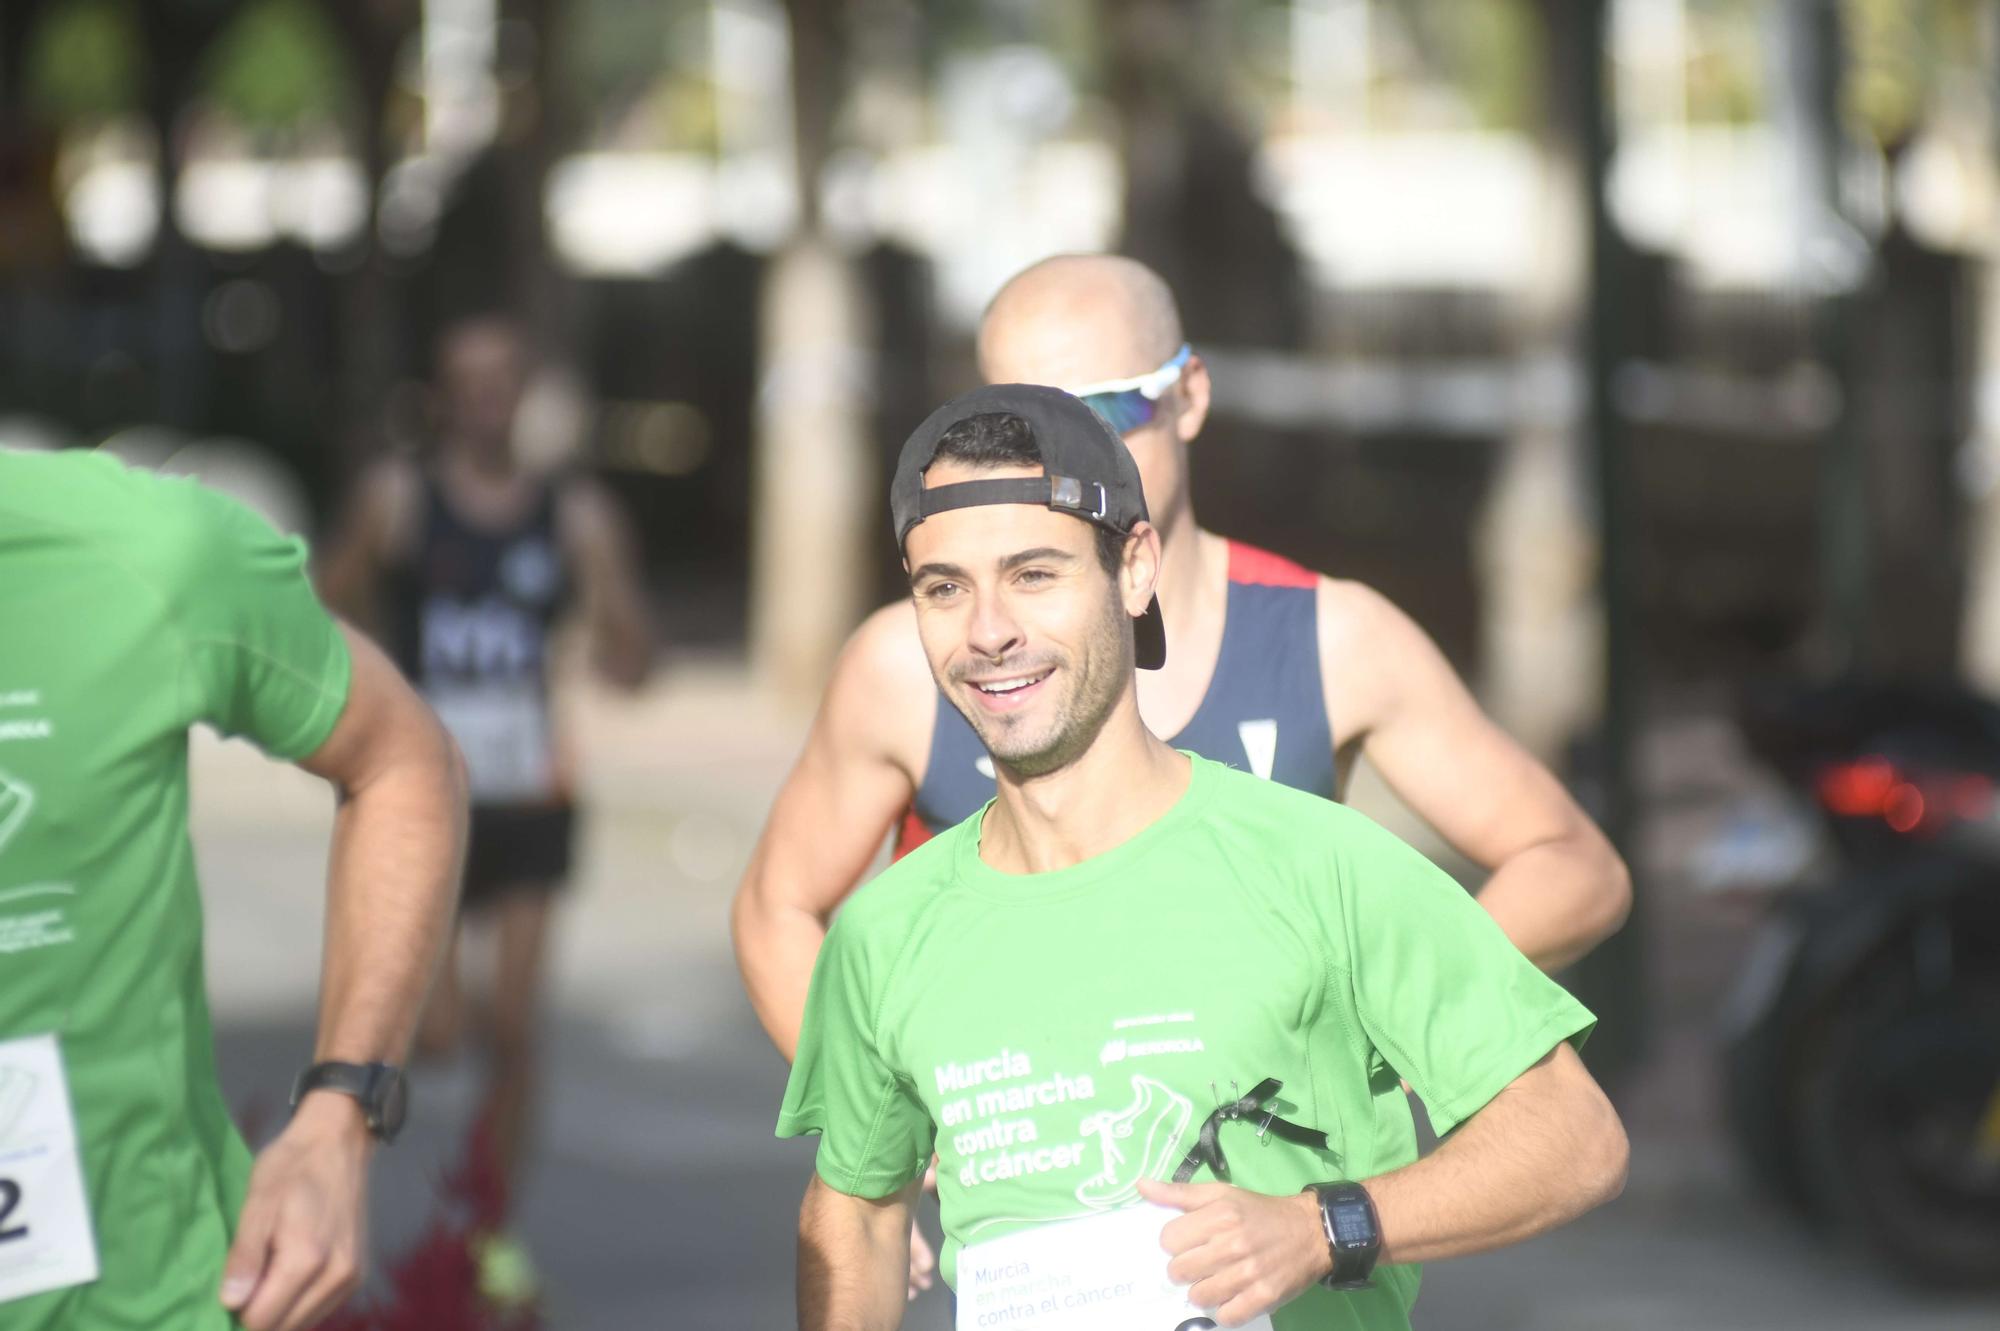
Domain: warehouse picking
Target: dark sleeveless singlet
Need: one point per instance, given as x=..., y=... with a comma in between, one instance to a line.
x=470, y=615
x=1264, y=711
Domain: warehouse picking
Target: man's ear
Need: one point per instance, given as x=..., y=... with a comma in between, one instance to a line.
x=1194, y=390
x=1140, y=575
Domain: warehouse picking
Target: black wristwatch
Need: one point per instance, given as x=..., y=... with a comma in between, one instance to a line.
x=1353, y=1233
x=379, y=1088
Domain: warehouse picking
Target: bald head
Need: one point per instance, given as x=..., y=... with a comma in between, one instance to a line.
x=1078, y=319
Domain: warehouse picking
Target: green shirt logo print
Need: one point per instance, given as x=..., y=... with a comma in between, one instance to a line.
x=1139, y=1141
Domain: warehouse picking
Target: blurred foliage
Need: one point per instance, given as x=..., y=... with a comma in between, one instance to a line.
x=1726, y=65
x=279, y=65
x=1901, y=54
x=1483, y=50
x=609, y=54
x=85, y=61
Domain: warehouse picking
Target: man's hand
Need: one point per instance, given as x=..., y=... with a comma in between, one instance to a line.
x=923, y=1262
x=1240, y=1253
x=300, y=1243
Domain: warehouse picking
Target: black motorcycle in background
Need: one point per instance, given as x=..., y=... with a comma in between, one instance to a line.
x=1863, y=1043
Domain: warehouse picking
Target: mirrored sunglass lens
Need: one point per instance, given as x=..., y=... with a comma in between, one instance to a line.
x=1122, y=411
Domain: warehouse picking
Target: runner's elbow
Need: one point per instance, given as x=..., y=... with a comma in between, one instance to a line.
x=1610, y=903
x=1598, y=1151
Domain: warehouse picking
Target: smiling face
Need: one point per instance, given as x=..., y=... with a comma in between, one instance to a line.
x=1026, y=633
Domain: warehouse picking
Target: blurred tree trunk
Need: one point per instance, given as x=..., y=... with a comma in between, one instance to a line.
x=177, y=33
x=1192, y=210
x=1583, y=313
x=1539, y=547
x=1980, y=652
x=18, y=20
x=808, y=564
x=34, y=239
x=371, y=333
x=1912, y=409
x=530, y=141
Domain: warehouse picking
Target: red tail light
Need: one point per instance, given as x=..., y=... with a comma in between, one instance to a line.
x=1910, y=803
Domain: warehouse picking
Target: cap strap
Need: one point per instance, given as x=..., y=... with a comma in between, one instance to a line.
x=1086, y=499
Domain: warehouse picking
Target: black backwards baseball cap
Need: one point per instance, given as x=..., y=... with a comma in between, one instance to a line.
x=1087, y=472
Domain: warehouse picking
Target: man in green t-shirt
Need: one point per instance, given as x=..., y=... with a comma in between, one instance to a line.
x=1150, y=1013
x=131, y=608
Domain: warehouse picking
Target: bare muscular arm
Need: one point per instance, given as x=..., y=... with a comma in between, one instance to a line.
x=1558, y=888
x=1543, y=1151
x=851, y=1259
x=860, y=768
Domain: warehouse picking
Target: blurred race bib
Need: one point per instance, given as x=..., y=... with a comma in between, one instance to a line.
x=1104, y=1273
x=503, y=731
x=45, y=1233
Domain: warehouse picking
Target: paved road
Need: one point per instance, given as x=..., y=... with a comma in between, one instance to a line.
x=661, y=1199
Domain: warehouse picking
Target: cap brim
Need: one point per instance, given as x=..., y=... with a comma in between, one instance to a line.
x=1149, y=638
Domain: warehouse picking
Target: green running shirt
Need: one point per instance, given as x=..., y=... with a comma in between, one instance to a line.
x=132, y=607
x=1054, y=1036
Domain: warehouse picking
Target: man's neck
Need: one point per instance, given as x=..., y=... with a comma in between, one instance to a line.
x=1187, y=578
x=1122, y=784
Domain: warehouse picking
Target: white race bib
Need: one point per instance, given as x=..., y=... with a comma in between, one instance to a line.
x=45, y=1234
x=503, y=731
x=1105, y=1273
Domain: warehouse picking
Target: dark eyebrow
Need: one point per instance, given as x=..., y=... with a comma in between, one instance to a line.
x=935, y=570
x=1038, y=555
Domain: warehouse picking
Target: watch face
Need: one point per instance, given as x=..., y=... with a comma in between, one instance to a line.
x=1352, y=1227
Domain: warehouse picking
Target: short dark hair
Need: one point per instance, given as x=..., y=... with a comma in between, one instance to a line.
x=1002, y=439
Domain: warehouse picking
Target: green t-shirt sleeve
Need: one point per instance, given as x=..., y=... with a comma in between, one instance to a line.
x=875, y=1135
x=265, y=659
x=1450, y=1003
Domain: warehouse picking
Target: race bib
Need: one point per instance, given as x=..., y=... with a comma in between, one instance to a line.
x=1106, y=1273
x=502, y=729
x=45, y=1235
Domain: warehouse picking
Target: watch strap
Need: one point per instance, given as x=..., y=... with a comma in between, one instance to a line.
x=353, y=1079
x=369, y=1084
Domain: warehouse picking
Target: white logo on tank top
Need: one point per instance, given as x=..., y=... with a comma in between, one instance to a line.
x=1260, y=744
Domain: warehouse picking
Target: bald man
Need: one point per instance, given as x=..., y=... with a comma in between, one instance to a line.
x=1269, y=667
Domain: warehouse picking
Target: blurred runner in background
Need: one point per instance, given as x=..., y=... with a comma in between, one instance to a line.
x=134, y=607
x=463, y=563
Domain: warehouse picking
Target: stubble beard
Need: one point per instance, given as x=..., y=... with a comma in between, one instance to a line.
x=1095, y=682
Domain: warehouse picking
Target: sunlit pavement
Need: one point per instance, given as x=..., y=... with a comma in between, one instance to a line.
x=660, y=1197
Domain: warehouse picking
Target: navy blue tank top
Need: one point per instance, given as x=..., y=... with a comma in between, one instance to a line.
x=1264, y=711
x=470, y=616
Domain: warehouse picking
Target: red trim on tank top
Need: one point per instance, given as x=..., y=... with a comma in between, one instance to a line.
x=1249, y=564
x=910, y=835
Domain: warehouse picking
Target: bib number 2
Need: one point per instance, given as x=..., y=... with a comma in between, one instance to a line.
x=10, y=1202
x=46, y=1238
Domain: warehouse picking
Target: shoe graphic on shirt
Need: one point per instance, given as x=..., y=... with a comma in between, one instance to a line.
x=15, y=801
x=1140, y=1141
